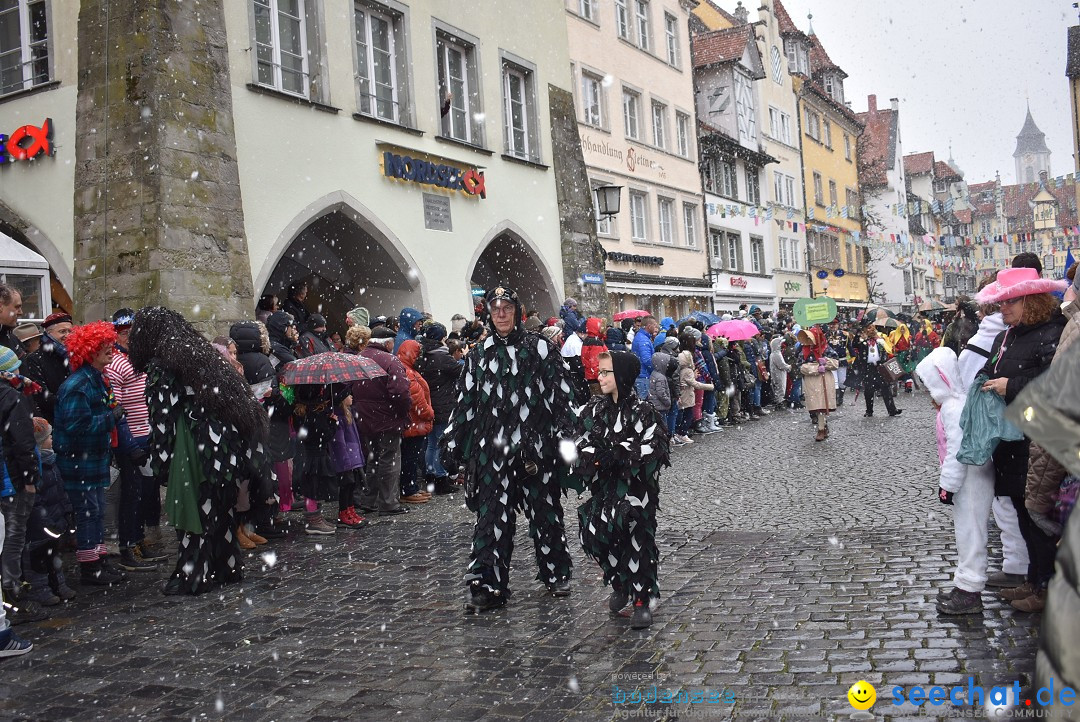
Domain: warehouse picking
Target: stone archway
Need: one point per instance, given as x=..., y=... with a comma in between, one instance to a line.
x=30, y=236
x=508, y=258
x=348, y=259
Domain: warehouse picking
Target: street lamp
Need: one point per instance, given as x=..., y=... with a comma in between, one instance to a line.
x=608, y=200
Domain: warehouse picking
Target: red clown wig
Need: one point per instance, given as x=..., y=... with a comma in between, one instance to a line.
x=85, y=341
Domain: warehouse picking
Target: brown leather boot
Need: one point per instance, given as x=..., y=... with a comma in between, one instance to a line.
x=1034, y=603
x=250, y=534
x=1023, y=591
x=821, y=434
x=242, y=538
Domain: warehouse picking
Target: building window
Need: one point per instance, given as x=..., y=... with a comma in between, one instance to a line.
x=798, y=59
x=690, y=216
x=907, y=282
x=753, y=185
x=794, y=255
x=659, y=124
x=682, y=129
x=665, y=211
x=592, y=99
x=378, y=62
x=519, y=112
x=777, y=66
x=827, y=134
x=860, y=260
x=850, y=260
x=604, y=226
x=733, y=252
x=783, y=253
x=631, y=106
x=833, y=200
x=757, y=255
x=780, y=125
x=281, y=45
x=457, y=76
x=728, y=181
x=671, y=31
x=852, y=199
x=639, y=219
x=622, y=19
x=813, y=125
x=587, y=9
x=641, y=14
x=783, y=189
x=847, y=146
x=24, y=45
x=716, y=243
x=819, y=190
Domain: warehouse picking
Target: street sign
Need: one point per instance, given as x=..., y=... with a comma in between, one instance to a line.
x=808, y=311
x=594, y=278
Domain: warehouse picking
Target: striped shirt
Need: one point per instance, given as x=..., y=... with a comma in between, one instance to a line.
x=130, y=390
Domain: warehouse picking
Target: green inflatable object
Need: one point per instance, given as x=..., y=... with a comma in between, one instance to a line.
x=809, y=311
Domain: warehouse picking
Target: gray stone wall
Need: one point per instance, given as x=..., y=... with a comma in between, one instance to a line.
x=158, y=217
x=581, y=251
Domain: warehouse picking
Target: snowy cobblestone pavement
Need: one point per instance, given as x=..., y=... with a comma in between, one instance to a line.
x=790, y=570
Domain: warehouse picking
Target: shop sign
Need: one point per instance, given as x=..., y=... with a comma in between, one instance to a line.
x=738, y=282
x=469, y=181
x=437, y=213
x=792, y=287
x=593, y=278
x=808, y=311
x=634, y=258
x=478, y=291
x=27, y=143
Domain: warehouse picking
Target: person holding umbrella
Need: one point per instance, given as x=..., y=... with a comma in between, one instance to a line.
x=819, y=381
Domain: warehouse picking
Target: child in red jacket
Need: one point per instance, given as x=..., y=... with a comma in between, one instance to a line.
x=421, y=417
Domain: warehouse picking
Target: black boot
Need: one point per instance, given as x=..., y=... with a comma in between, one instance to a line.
x=839, y=398
x=481, y=599
x=560, y=588
x=94, y=574
x=642, y=616
x=618, y=599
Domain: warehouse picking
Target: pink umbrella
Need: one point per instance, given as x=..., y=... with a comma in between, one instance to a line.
x=734, y=330
x=634, y=313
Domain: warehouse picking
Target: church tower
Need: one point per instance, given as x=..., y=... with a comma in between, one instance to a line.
x=1031, y=155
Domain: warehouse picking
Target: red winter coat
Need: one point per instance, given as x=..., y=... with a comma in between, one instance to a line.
x=591, y=348
x=421, y=414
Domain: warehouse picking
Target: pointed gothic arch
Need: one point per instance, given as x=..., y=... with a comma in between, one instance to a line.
x=507, y=256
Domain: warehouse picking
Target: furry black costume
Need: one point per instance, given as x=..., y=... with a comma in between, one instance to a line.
x=514, y=396
x=622, y=445
x=206, y=428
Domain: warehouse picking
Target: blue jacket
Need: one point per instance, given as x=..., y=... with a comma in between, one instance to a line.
x=710, y=360
x=82, y=433
x=616, y=339
x=574, y=324
x=643, y=349
x=406, y=319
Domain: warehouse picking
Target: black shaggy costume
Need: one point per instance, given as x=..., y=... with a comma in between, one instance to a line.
x=206, y=427
x=514, y=397
x=621, y=448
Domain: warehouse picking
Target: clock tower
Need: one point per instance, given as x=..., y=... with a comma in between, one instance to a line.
x=1032, y=157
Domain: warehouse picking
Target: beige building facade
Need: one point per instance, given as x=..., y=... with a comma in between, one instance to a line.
x=634, y=93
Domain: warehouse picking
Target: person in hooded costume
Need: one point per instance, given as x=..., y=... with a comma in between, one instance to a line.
x=819, y=381
x=207, y=433
x=622, y=443
x=514, y=396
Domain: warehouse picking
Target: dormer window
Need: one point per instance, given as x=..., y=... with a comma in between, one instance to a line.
x=834, y=86
x=798, y=56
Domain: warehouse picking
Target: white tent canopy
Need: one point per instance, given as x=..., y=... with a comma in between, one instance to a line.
x=28, y=272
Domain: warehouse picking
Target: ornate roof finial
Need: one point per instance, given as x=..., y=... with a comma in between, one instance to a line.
x=742, y=14
x=810, y=18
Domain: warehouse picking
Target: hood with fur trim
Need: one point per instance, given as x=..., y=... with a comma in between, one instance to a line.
x=940, y=372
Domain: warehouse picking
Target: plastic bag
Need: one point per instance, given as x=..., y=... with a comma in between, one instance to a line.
x=984, y=424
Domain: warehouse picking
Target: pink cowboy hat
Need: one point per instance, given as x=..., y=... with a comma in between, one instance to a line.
x=1016, y=282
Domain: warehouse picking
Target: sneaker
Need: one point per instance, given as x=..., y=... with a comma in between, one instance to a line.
x=358, y=520
x=317, y=524
x=685, y=439
x=642, y=615
x=42, y=595
x=130, y=563
x=12, y=645
x=346, y=520
x=25, y=611
x=762, y=411
x=959, y=602
x=1003, y=579
x=677, y=441
x=416, y=498
x=148, y=552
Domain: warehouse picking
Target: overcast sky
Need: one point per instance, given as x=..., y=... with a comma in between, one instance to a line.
x=962, y=69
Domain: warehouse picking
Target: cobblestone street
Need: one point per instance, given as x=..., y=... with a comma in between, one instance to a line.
x=790, y=570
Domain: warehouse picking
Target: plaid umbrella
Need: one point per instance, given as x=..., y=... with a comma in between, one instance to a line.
x=331, y=368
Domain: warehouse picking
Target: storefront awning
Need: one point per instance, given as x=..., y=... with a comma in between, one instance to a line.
x=645, y=289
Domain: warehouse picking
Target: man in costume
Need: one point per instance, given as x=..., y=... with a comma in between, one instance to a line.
x=514, y=396
x=622, y=444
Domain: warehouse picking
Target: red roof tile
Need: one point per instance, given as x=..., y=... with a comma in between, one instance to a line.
x=783, y=20
x=964, y=216
x=1017, y=204
x=943, y=171
x=721, y=46
x=877, y=147
x=919, y=163
x=819, y=59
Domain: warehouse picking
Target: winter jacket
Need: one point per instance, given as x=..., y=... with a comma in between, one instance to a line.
x=591, y=348
x=52, y=505
x=574, y=324
x=940, y=373
x=406, y=320
x=9, y=339
x=1021, y=353
x=17, y=443
x=49, y=367
x=312, y=343
x=643, y=349
x=659, y=389
x=777, y=364
x=705, y=347
x=723, y=369
x=281, y=348
x=382, y=404
x=1057, y=662
x=258, y=368
x=420, y=412
x=688, y=380
x=820, y=388
x=82, y=432
x=616, y=339
x=441, y=372
x=346, y=451
x=297, y=310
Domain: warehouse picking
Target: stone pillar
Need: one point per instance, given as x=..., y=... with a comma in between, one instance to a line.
x=158, y=217
x=581, y=251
